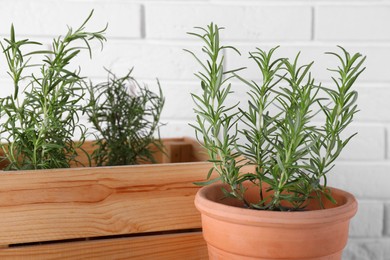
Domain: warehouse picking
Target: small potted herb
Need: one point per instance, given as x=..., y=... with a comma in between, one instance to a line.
x=126, y=118
x=282, y=207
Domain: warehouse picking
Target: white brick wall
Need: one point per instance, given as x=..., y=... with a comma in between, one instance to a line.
x=349, y=22
x=244, y=21
x=49, y=17
x=151, y=34
x=165, y=60
x=365, y=223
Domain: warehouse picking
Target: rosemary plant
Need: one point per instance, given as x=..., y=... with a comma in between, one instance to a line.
x=42, y=113
x=213, y=116
x=291, y=154
x=126, y=117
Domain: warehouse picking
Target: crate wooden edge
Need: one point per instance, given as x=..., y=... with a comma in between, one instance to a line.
x=188, y=245
x=176, y=150
x=31, y=192
x=73, y=200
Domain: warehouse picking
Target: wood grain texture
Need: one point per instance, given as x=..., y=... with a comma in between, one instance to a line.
x=98, y=201
x=176, y=150
x=87, y=202
x=181, y=149
x=188, y=246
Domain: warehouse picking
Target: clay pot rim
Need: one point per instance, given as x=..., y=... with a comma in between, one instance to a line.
x=263, y=218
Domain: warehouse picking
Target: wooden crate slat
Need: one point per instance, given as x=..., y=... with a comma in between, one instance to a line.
x=189, y=151
x=188, y=246
x=88, y=202
x=176, y=150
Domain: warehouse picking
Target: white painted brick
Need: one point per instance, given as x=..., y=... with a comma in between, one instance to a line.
x=366, y=180
x=289, y=1
x=242, y=22
x=373, y=103
x=368, y=221
x=386, y=248
x=388, y=142
x=376, y=62
x=150, y=60
x=352, y=22
x=50, y=17
x=178, y=102
x=387, y=220
x=6, y=88
x=365, y=249
x=177, y=129
x=368, y=144
x=308, y=54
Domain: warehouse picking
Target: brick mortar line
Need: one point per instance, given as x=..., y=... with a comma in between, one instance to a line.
x=313, y=23
x=143, y=22
x=386, y=143
x=243, y=42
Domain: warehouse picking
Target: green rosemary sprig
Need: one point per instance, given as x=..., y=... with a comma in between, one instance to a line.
x=126, y=117
x=291, y=154
x=216, y=122
x=39, y=128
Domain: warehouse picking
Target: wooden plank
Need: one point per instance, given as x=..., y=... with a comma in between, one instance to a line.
x=189, y=246
x=177, y=150
x=182, y=149
x=198, y=154
x=100, y=201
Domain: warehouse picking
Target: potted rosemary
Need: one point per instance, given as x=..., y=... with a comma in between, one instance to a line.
x=281, y=208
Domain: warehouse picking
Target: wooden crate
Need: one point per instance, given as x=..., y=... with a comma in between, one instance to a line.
x=122, y=212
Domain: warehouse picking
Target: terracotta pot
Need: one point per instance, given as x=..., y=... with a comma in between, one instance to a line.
x=234, y=232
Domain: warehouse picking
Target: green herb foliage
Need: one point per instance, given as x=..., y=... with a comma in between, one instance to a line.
x=126, y=116
x=39, y=127
x=290, y=153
